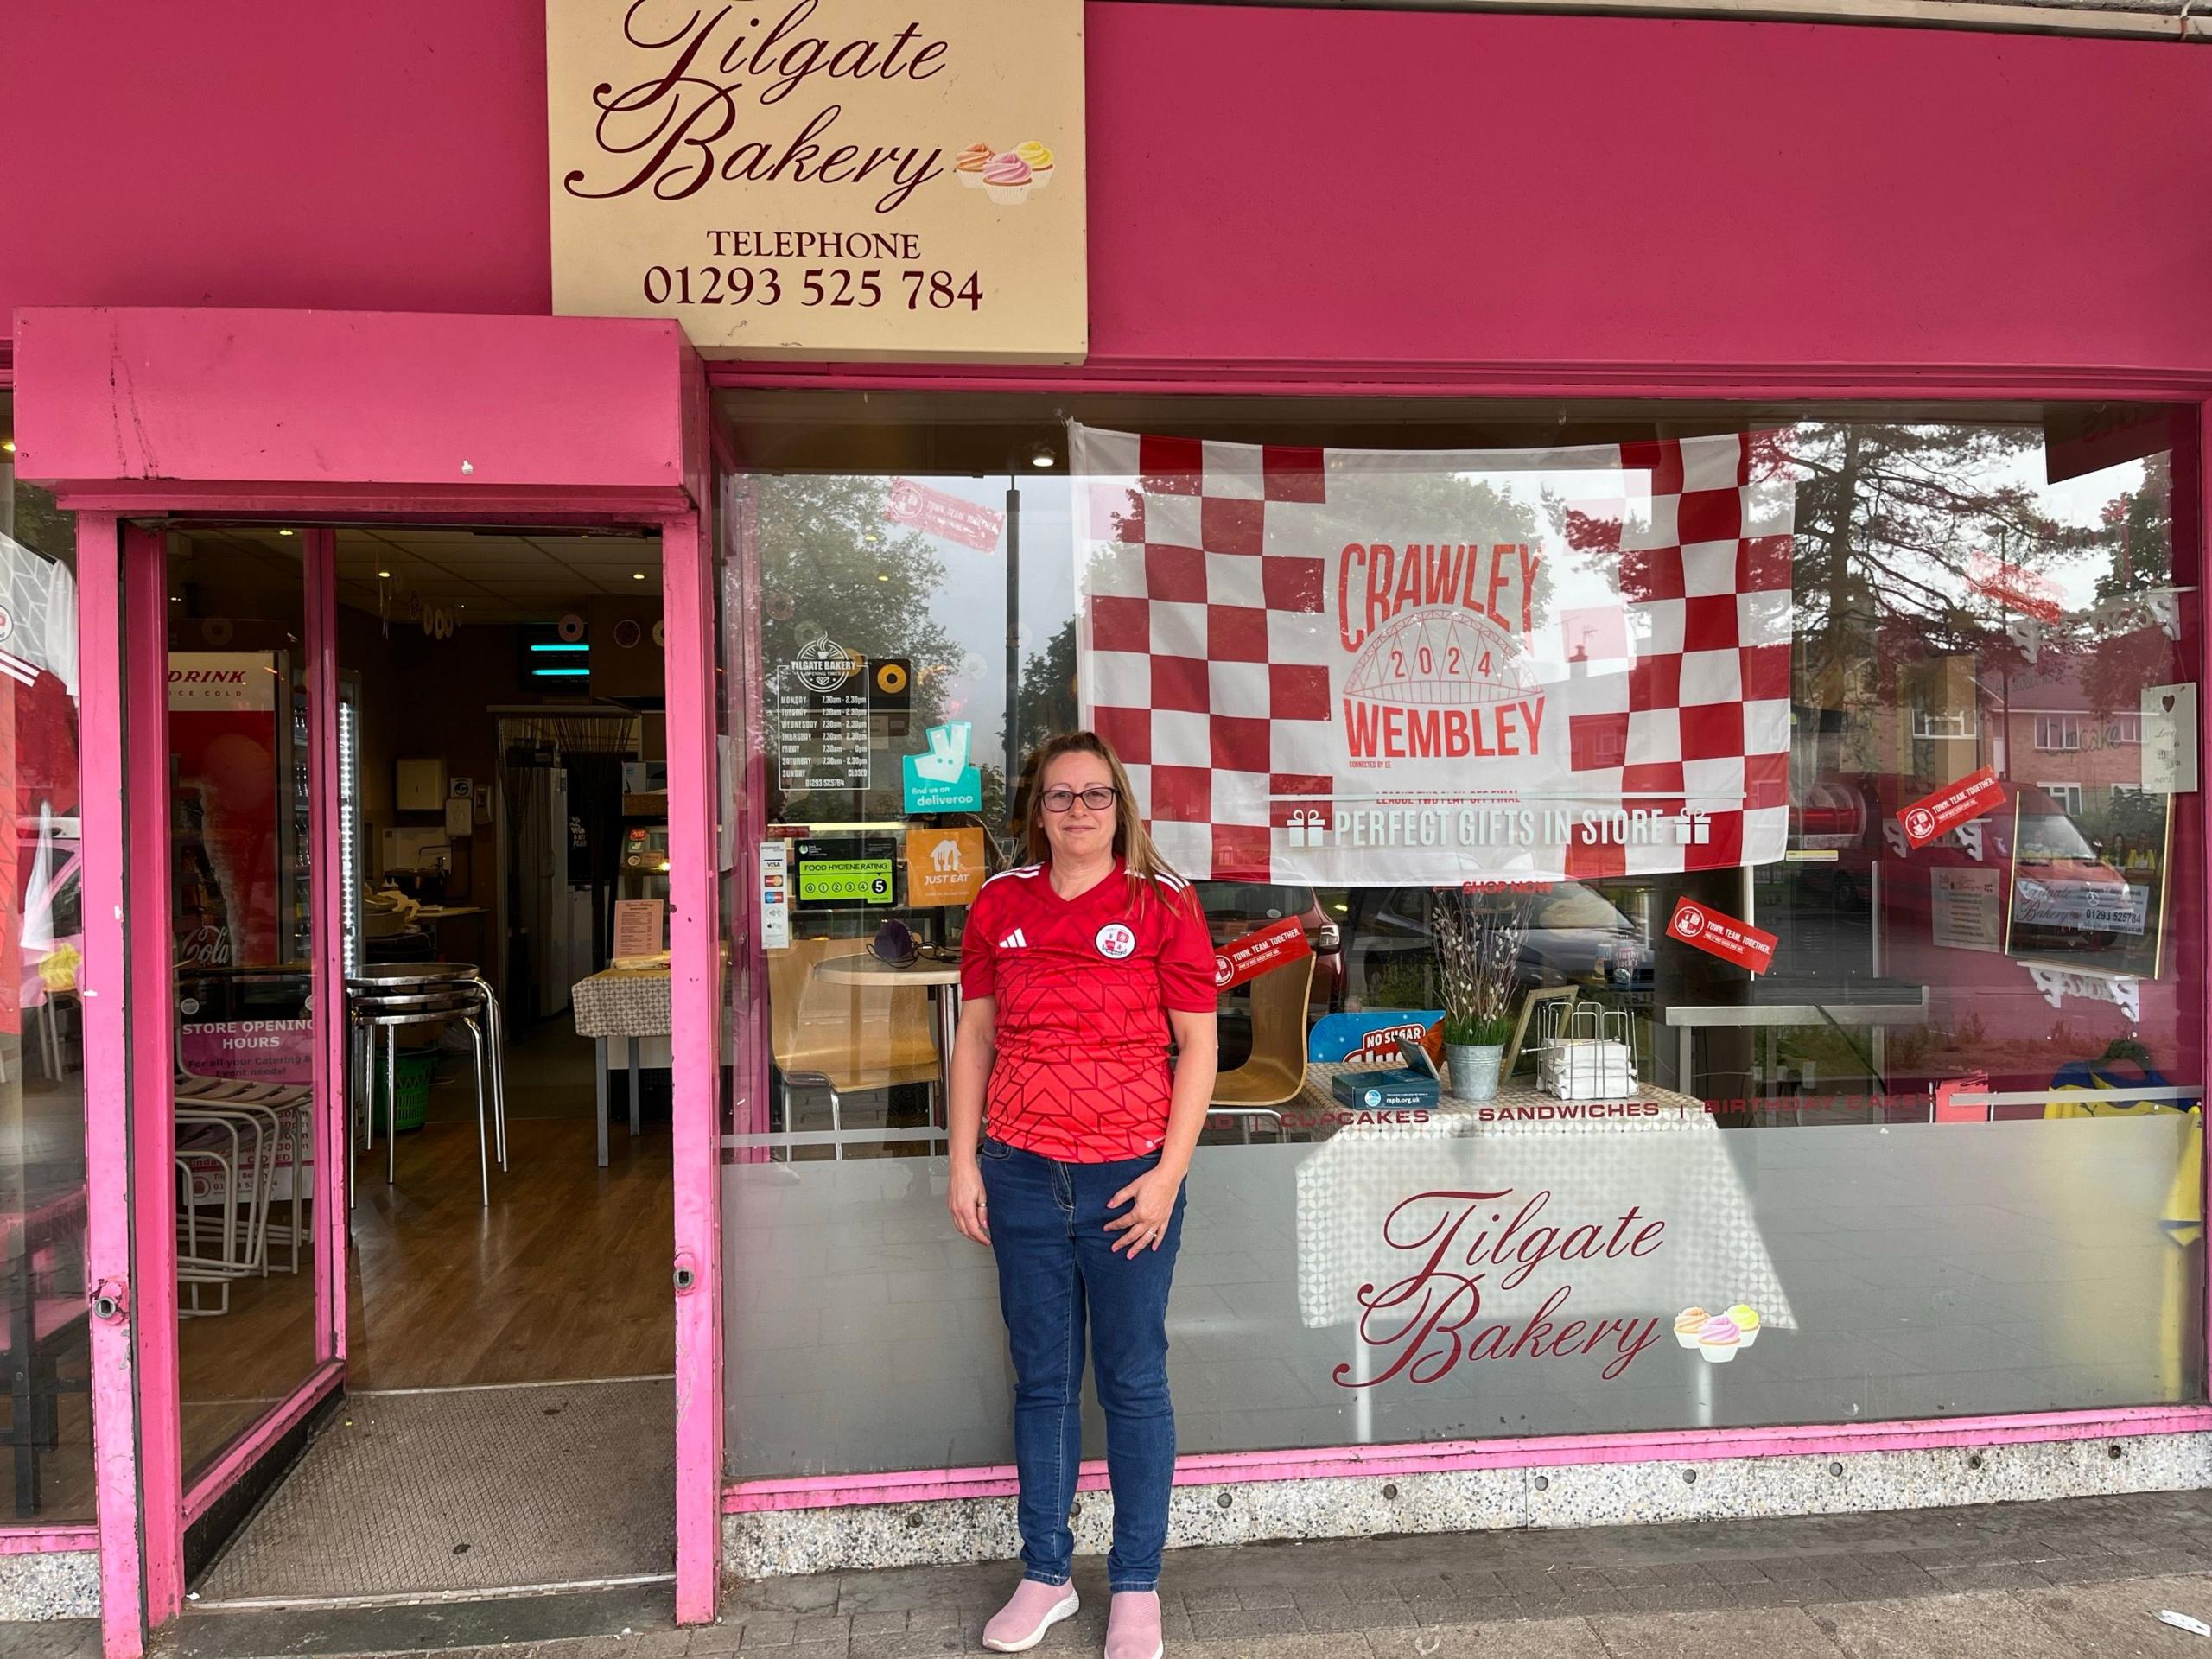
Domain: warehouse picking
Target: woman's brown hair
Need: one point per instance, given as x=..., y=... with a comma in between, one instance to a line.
x=1132, y=845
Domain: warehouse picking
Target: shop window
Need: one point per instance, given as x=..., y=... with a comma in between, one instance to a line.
x=2058, y=732
x=46, y=1418
x=1716, y=720
x=1957, y=722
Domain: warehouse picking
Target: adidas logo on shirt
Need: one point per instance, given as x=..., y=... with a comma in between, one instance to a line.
x=1013, y=941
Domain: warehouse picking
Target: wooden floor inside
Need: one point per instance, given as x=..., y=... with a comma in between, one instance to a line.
x=565, y=1277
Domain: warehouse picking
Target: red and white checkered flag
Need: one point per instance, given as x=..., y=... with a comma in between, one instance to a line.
x=1372, y=667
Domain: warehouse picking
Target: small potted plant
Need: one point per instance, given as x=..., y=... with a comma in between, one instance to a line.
x=1478, y=958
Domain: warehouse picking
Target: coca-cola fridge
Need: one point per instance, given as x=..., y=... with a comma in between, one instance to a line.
x=240, y=849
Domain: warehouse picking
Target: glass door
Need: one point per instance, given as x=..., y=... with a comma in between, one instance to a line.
x=256, y=878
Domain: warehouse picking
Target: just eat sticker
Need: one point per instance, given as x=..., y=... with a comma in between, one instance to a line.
x=1950, y=806
x=1721, y=936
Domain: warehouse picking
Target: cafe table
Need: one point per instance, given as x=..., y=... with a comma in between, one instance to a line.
x=624, y=1002
x=862, y=971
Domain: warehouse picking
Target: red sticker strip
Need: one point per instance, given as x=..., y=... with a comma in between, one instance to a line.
x=1721, y=936
x=1253, y=955
x=1950, y=806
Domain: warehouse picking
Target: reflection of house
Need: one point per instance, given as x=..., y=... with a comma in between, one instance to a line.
x=2041, y=724
x=2054, y=736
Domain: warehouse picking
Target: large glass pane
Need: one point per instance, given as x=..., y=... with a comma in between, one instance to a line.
x=1897, y=707
x=242, y=930
x=45, y=1412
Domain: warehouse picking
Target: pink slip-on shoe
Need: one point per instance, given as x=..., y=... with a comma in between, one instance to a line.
x=1032, y=1610
x=1133, y=1625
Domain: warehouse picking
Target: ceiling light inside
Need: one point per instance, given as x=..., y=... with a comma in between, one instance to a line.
x=1042, y=455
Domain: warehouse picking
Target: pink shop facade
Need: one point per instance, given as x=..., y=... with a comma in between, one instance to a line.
x=1811, y=415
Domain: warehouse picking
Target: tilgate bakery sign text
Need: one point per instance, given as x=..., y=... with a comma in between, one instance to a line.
x=823, y=178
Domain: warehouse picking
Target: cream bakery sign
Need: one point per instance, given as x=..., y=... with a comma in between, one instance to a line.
x=823, y=178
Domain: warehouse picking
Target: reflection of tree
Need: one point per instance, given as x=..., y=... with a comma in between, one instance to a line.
x=41, y=525
x=1893, y=617
x=2137, y=530
x=1887, y=520
x=832, y=566
x=1048, y=689
x=2132, y=652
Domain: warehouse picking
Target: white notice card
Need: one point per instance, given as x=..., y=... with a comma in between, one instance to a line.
x=1965, y=909
x=2170, y=739
x=637, y=929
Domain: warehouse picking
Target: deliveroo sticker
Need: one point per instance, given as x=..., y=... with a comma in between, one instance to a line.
x=942, y=780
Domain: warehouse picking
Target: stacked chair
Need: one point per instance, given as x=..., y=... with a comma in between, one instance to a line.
x=384, y=997
x=232, y=1138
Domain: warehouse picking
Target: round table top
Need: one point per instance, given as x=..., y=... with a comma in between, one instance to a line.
x=862, y=969
x=390, y=976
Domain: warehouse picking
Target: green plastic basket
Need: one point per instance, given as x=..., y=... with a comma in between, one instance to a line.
x=413, y=1104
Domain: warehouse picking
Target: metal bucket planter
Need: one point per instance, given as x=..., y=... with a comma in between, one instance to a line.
x=1474, y=1068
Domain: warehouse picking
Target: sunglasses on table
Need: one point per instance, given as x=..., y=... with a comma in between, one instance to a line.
x=1098, y=798
x=895, y=946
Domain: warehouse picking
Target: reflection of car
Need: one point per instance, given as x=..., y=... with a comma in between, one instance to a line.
x=1236, y=908
x=2064, y=897
x=1570, y=932
x=1835, y=826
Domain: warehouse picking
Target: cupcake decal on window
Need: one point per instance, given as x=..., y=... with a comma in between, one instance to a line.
x=1717, y=1337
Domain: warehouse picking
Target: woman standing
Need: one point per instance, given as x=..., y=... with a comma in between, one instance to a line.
x=1075, y=968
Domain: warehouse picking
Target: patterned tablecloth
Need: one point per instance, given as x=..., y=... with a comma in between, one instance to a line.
x=622, y=1002
x=1593, y=1163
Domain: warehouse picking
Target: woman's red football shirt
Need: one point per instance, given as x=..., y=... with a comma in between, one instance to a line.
x=1083, y=986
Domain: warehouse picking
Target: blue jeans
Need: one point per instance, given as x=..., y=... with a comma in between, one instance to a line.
x=1058, y=1274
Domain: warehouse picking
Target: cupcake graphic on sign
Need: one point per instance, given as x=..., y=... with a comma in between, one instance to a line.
x=1009, y=176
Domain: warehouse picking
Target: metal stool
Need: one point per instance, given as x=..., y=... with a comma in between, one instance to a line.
x=390, y=995
x=379, y=979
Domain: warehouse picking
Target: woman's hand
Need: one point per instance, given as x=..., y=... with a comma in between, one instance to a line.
x=965, y=1200
x=1153, y=1193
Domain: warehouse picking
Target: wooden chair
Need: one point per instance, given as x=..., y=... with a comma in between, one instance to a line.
x=1275, y=1070
x=844, y=1039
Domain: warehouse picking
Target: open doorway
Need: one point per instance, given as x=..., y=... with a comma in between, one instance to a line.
x=508, y=1337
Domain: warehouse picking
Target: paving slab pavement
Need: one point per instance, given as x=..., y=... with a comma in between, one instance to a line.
x=2082, y=1577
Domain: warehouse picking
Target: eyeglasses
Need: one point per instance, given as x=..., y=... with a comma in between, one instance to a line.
x=1098, y=798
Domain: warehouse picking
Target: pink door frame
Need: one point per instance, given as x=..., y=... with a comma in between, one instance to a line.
x=586, y=421
x=149, y=1549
